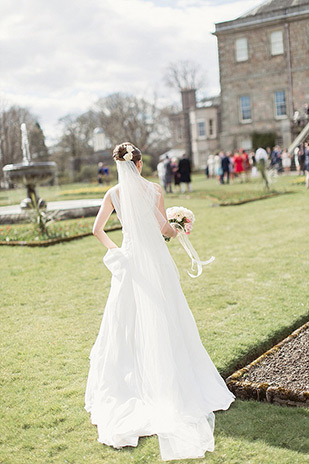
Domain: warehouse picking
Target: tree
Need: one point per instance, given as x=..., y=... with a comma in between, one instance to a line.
x=75, y=141
x=128, y=118
x=122, y=118
x=184, y=75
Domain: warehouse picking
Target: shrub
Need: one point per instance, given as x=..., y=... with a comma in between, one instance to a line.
x=87, y=173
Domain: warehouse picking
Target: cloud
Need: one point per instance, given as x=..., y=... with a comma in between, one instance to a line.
x=61, y=56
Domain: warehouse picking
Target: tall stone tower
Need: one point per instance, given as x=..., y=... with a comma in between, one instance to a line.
x=188, y=98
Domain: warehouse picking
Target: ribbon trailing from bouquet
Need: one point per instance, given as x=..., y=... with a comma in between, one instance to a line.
x=196, y=263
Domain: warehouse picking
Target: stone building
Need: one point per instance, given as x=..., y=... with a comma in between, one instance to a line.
x=264, y=72
x=195, y=129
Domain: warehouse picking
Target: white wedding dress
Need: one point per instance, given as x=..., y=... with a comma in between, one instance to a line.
x=149, y=372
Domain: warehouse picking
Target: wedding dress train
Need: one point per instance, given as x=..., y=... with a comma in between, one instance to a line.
x=149, y=372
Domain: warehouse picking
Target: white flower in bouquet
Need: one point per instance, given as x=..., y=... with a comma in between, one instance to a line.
x=182, y=216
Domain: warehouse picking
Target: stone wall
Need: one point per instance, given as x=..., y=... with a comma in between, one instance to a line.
x=202, y=147
x=260, y=77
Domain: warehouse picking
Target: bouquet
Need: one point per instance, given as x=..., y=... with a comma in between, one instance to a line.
x=183, y=219
x=181, y=216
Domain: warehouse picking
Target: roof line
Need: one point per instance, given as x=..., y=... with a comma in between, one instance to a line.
x=257, y=19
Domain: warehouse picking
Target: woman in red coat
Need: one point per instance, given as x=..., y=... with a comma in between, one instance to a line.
x=238, y=164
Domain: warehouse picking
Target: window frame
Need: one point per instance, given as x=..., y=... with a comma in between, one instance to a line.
x=201, y=137
x=280, y=116
x=247, y=50
x=271, y=42
x=249, y=120
x=211, y=128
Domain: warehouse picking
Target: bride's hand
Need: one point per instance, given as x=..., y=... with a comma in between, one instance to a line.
x=176, y=229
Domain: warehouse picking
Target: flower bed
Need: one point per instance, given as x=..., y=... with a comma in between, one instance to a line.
x=59, y=231
x=96, y=189
x=279, y=375
x=301, y=180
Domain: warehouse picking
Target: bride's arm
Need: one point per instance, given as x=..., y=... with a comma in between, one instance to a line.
x=100, y=221
x=166, y=228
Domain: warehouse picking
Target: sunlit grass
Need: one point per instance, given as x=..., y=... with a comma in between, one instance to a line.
x=52, y=302
x=208, y=189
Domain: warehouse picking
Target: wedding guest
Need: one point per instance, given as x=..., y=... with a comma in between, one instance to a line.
x=296, y=117
x=232, y=167
x=218, y=166
x=252, y=161
x=286, y=160
x=275, y=157
x=225, y=164
x=246, y=164
x=296, y=151
x=211, y=166
x=168, y=175
x=301, y=158
x=176, y=174
x=160, y=172
x=100, y=173
x=268, y=150
x=238, y=165
x=185, y=174
x=261, y=160
x=279, y=167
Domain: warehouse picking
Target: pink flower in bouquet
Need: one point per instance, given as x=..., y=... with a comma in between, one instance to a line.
x=188, y=227
x=182, y=216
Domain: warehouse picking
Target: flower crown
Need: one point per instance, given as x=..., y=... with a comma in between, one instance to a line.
x=129, y=154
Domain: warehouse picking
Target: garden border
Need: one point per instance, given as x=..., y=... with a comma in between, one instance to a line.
x=53, y=241
x=249, y=200
x=263, y=391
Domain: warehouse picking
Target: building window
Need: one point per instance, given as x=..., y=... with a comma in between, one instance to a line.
x=276, y=43
x=241, y=46
x=280, y=103
x=245, y=108
x=201, y=129
x=211, y=127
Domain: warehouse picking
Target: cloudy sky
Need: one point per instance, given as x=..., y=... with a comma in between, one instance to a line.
x=60, y=56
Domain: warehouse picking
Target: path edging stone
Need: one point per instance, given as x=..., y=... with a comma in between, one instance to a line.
x=264, y=391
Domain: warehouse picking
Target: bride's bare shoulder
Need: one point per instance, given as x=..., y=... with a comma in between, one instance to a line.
x=114, y=189
x=109, y=195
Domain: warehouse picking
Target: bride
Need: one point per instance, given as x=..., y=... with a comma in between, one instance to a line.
x=149, y=372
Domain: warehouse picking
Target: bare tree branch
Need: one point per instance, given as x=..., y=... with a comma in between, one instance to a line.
x=184, y=75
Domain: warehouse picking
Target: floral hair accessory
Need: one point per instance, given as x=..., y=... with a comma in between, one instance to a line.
x=129, y=155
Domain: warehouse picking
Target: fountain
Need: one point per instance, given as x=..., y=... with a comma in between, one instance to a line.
x=29, y=173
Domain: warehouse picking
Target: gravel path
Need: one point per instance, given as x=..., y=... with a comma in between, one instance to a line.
x=288, y=367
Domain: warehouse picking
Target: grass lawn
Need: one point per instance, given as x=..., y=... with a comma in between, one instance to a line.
x=52, y=300
x=203, y=188
x=55, y=192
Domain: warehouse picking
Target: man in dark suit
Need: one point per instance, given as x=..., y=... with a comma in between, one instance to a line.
x=184, y=170
x=225, y=164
